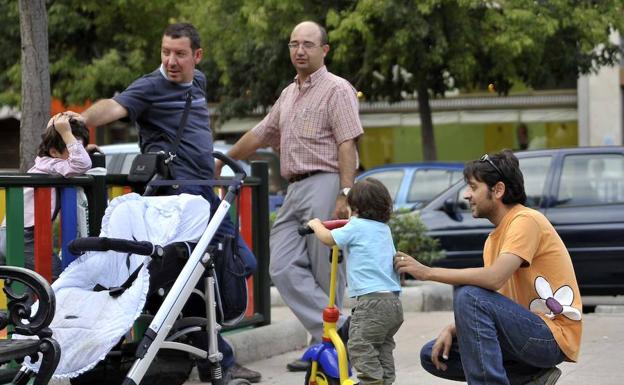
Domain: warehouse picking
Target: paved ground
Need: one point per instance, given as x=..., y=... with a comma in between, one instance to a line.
x=601, y=361
x=269, y=348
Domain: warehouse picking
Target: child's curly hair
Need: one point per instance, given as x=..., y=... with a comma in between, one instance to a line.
x=52, y=139
x=370, y=199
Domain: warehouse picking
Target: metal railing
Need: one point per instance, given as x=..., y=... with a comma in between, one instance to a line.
x=253, y=219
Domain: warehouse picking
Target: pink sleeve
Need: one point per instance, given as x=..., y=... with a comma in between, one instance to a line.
x=267, y=130
x=77, y=163
x=344, y=114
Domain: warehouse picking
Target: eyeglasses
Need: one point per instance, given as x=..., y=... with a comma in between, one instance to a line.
x=486, y=158
x=306, y=45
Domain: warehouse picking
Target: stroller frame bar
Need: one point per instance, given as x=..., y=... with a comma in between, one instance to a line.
x=154, y=338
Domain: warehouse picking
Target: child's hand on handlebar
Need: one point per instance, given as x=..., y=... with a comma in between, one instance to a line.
x=315, y=222
x=322, y=232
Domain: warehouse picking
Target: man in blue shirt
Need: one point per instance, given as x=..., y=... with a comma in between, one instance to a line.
x=156, y=102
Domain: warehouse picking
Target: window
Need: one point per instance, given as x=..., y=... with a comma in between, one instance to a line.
x=391, y=179
x=127, y=162
x=462, y=203
x=428, y=183
x=535, y=171
x=591, y=179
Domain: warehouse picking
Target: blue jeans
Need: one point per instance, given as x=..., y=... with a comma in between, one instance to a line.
x=498, y=341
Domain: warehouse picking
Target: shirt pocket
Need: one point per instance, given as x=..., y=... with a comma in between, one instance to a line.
x=311, y=122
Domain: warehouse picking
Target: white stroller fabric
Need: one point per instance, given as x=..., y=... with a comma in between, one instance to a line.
x=88, y=324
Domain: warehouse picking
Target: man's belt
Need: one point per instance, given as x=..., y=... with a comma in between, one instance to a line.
x=300, y=177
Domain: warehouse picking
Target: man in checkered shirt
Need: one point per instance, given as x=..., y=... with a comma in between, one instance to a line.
x=314, y=126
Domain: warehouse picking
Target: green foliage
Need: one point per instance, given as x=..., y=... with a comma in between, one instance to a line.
x=95, y=48
x=10, y=69
x=409, y=234
x=246, y=42
x=472, y=43
x=386, y=48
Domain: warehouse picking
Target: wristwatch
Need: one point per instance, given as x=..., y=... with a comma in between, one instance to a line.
x=345, y=191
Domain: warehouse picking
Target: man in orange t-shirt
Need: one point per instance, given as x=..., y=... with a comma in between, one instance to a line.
x=519, y=315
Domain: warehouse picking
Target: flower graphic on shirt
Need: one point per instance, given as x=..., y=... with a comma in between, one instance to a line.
x=551, y=305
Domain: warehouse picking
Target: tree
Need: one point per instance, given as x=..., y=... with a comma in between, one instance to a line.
x=245, y=46
x=95, y=48
x=35, y=78
x=396, y=48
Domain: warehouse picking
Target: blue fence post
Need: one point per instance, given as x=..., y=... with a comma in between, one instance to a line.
x=69, y=223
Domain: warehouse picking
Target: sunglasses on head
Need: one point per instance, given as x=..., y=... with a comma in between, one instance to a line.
x=486, y=158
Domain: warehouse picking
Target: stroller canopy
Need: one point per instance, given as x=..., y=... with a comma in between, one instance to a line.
x=88, y=323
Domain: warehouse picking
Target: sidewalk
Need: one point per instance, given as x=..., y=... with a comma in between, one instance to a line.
x=427, y=310
x=600, y=361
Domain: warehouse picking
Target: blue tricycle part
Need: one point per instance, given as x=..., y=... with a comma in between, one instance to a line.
x=327, y=357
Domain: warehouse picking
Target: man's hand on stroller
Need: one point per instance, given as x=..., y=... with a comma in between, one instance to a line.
x=217, y=168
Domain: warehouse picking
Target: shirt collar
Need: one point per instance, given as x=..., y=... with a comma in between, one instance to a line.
x=314, y=77
x=164, y=74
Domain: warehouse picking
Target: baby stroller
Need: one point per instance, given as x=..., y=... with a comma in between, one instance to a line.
x=103, y=292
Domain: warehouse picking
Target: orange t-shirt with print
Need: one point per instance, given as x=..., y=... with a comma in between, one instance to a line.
x=545, y=283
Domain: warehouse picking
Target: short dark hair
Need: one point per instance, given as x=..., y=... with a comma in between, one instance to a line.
x=371, y=200
x=508, y=172
x=52, y=139
x=179, y=30
x=323, y=31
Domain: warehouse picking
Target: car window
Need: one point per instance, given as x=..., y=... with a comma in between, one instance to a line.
x=535, y=171
x=127, y=163
x=591, y=179
x=389, y=178
x=457, y=175
x=426, y=184
x=462, y=204
x=109, y=161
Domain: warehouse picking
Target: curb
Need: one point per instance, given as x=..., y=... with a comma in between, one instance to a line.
x=267, y=341
x=415, y=297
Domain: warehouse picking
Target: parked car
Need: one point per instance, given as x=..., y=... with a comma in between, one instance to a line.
x=581, y=192
x=412, y=185
x=119, y=158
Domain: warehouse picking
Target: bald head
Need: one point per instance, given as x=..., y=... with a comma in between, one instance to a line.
x=308, y=47
x=313, y=24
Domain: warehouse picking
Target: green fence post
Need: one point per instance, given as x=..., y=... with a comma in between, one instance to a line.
x=15, y=226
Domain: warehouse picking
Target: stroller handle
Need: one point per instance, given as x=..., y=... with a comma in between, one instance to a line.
x=234, y=165
x=330, y=225
x=79, y=245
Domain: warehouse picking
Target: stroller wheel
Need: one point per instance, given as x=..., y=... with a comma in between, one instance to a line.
x=170, y=367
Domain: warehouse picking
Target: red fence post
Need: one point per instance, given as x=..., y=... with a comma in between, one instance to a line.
x=43, y=232
x=246, y=229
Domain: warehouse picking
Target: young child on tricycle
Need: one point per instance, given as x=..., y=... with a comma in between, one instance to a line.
x=371, y=279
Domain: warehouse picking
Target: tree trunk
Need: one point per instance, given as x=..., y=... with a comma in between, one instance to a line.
x=426, y=123
x=35, y=78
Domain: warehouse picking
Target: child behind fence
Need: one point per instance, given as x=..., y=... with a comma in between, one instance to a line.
x=62, y=152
